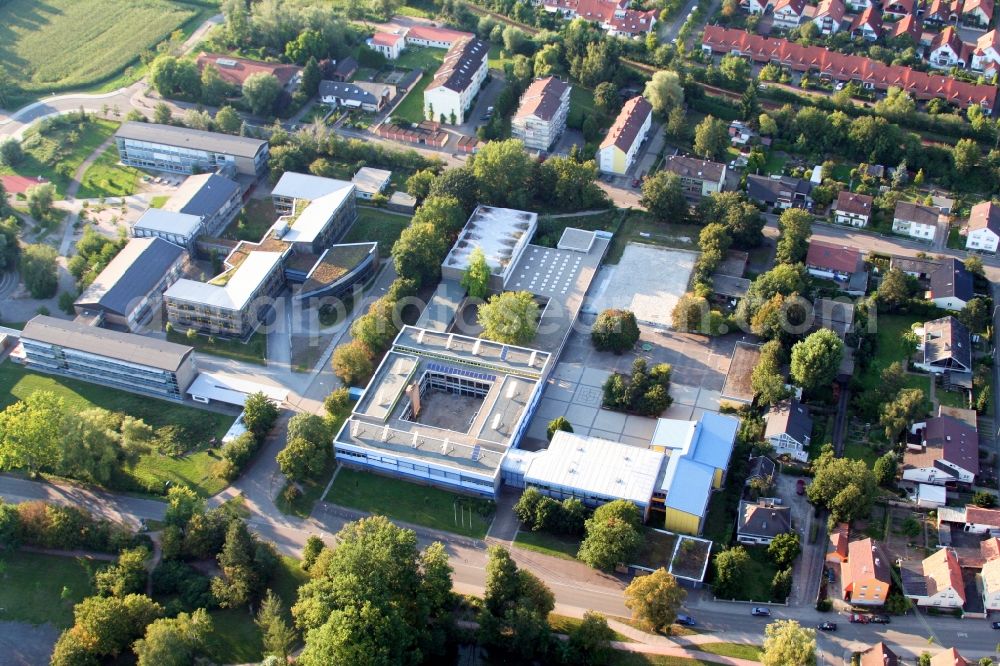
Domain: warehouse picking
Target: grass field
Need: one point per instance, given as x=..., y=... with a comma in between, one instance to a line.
x=757, y=584
x=61, y=45
x=106, y=177
x=581, y=105
x=408, y=502
x=43, y=588
x=65, y=146
x=550, y=229
x=236, y=639
x=736, y=650
x=425, y=58
x=890, y=347
x=252, y=351
x=640, y=228
x=159, y=201
x=256, y=218
x=199, y=425
x=556, y=545
x=379, y=226
x=411, y=109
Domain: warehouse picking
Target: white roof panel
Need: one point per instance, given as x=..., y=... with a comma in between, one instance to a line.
x=306, y=187
x=232, y=390
x=235, y=294
x=157, y=219
x=371, y=181
x=596, y=467
x=317, y=215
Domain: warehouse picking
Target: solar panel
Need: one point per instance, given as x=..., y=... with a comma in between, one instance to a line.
x=476, y=450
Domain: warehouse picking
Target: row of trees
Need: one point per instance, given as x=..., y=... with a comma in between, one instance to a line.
x=259, y=416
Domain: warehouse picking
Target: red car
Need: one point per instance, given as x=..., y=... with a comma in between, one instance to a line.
x=858, y=619
x=800, y=487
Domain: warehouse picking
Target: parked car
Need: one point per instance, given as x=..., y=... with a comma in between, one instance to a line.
x=827, y=626
x=857, y=618
x=760, y=611
x=996, y=625
x=800, y=487
x=831, y=575
x=635, y=182
x=879, y=619
x=685, y=620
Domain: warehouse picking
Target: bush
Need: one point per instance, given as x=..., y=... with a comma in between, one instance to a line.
x=191, y=587
x=646, y=392
x=238, y=453
x=615, y=331
x=67, y=528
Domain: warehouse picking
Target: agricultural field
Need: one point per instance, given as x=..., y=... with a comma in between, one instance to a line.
x=62, y=45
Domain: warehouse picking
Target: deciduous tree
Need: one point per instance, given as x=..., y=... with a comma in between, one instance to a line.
x=784, y=548
x=787, y=643
x=510, y=317
x=352, y=362
x=174, y=641
x=663, y=197
x=711, y=138
x=664, y=91
x=795, y=228
x=503, y=171
x=419, y=252
x=261, y=92
x=816, y=360
x=476, y=278
x=731, y=568
x=615, y=331
x=654, y=599
x=612, y=535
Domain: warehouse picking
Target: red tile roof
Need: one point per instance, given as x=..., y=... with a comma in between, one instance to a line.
x=236, y=70
x=976, y=515
x=985, y=5
x=849, y=67
x=949, y=657
x=832, y=257
x=950, y=37
x=833, y=8
x=908, y=25
x=797, y=6
x=433, y=34
x=869, y=17
x=941, y=10
x=628, y=123
x=386, y=39
x=985, y=215
x=542, y=98
x=855, y=204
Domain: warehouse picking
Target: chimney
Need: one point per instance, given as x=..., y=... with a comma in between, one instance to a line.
x=413, y=393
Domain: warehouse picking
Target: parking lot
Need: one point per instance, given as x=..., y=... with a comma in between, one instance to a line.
x=574, y=389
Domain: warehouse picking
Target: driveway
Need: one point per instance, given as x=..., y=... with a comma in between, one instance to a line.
x=808, y=568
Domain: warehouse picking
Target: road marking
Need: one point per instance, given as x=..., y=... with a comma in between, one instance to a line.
x=962, y=634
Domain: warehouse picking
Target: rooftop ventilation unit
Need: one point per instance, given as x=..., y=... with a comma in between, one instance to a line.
x=475, y=346
x=420, y=336
x=386, y=434
x=512, y=390
x=497, y=422
x=451, y=339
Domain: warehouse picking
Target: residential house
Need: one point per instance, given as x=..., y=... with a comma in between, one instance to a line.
x=990, y=576
x=430, y=36
x=917, y=267
x=389, y=44
x=879, y=655
x=838, y=546
x=740, y=134
x=122, y=360
x=951, y=285
x=897, y=9
x=983, y=227
x=184, y=150
x=945, y=451
x=982, y=521
x=699, y=178
x=762, y=469
x=858, y=6
x=986, y=54
x=937, y=582
x=345, y=69
x=829, y=16
x=871, y=74
x=370, y=97
x=943, y=12
x=457, y=81
x=128, y=293
x=866, y=574
x=215, y=199
x=757, y=523
x=369, y=181
x=788, y=13
x=758, y=7
x=788, y=428
x=831, y=262
x=945, y=346
x=540, y=118
x=947, y=50
x=909, y=27
x=621, y=146
x=613, y=16
x=978, y=13
x=916, y=220
x=836, y=315
x=868, y=25
x=235, y=71
x=853, y=209
x=779, y=191
x=950, y=657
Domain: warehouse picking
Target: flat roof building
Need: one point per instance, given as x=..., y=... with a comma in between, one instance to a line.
x=501, y=233
x=128, y=293
x=369, y=181
x=183, y=150
x=445, y=409
x=180, y=229
x=121, y=360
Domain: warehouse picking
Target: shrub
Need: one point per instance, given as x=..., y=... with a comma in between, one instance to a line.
x=615, y=330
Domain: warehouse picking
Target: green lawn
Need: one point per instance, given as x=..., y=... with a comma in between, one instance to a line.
x=775, y=164
x=417, y=57
x=57, y=154
x=581, y=105
x=556, y=545
x=106, y=177
x=736, y=650
x=256, y=218
x=639, y=227
x=620, y=658
x=61, y=45
x=757, y=584
x=409, y=502
x=43, y=588
x=956, y=241
x=159, y=201
x=375, y=224
x=890, y=346
x=411, y=109
x=235, y=638
x=495, y=59
x=860, y=451
x=550, y=229
x=196, y=426
x=252, y=351
x=564, y=624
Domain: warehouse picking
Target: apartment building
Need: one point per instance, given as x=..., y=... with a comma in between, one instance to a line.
x=183, y=150
x=541, y=117
x=621, y=145
x=121, y=360
x=457, y=82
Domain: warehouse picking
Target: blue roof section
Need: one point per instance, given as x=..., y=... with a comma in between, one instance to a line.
x=210, y=197
x=714, y=439
x=690, y=487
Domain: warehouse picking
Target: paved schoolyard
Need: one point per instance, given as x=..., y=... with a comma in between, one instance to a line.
x=648, y=280
x=574, y=388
